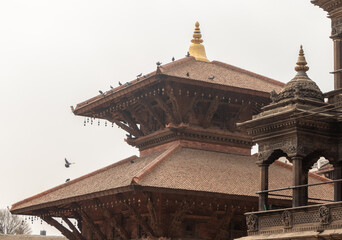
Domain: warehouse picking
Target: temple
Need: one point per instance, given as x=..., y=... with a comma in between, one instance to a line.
x=195, y=176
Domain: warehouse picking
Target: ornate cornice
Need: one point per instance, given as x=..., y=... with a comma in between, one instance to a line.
x=184, y=132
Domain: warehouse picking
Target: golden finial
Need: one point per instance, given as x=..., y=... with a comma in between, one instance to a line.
x=301, y=62
x=197, y=34
x=197, y=49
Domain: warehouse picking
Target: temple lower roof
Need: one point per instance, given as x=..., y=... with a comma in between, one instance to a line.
x=175, y=168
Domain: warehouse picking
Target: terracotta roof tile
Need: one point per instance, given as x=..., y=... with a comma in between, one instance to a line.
x=224, y=74
x=181, y=168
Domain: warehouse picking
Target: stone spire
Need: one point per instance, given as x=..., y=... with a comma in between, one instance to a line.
x=301, y=86
x=196, y=49
x=301, y=67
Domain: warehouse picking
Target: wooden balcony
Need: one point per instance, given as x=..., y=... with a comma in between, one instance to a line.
x=306, y=222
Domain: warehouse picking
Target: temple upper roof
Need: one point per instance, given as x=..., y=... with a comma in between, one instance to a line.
x=189, y=70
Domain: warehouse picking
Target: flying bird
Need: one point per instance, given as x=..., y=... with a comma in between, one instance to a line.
x=158, y=63
x=173, y=59
x=120, y=83
x=67, y=163
x=211, y=78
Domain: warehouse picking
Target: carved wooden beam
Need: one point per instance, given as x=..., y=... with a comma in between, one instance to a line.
x=60, y=227
x=131, y=123
x=79, y=219
x=92, y=226
x=178, y=219
x=155, y=222
x=112, y=221
x=210, y=113
x=153, y=113
x=225, y=222
x=190, y=107
x=76, y=233
x=143, y=124
x=174, y=102
x=138, y=218
x=124, y=127
x=162, y=104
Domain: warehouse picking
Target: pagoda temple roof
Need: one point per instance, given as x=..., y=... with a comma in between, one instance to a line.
x=177, y=168
x=198, y=72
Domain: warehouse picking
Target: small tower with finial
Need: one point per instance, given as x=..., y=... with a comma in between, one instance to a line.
x=196, y=49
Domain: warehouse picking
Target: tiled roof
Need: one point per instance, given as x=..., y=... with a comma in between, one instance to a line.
x=30, y=237
x=224, y=74
x=178, y=168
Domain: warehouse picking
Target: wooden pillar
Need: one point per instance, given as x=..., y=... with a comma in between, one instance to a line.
x=263, y=197
x=337, y=63
x=304, y=190
x=337, y=174
x=299, y=198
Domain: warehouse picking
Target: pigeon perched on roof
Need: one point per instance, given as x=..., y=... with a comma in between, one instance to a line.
x=187, y=54
x=188, y=74
x=67, y=163
x=111, y=87
x=68, y=179
x=120, y=83
x=158, y=63
x=128, y=83
x=211, y=78
x=139, y=75
x=173, y=59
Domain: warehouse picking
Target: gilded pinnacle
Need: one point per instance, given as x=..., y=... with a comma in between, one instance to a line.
x=197, y=34
x=196, y=49
x=301, y=62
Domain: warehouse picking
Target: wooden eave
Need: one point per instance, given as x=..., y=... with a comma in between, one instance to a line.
x=85, y=107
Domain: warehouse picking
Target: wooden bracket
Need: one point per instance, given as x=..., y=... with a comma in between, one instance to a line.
x=178, y=218
x=76, y=233
x=153, y=113
x=60, y=227
x=90, y=224
x=138, y=219
x=155, y=222
x=113, y=222
x=210, y=113
x=131, y=123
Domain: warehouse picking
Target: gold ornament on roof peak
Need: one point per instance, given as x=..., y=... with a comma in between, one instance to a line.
x=301, y=62
x=196, y=48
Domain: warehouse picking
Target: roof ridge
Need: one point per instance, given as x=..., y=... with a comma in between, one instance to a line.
x=149, y=167
x=73, y=181
x=226, y=65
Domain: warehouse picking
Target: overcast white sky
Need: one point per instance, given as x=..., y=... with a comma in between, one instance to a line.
x=54, y=54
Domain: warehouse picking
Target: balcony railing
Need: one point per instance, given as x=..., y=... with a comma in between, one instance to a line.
x=315, y=218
